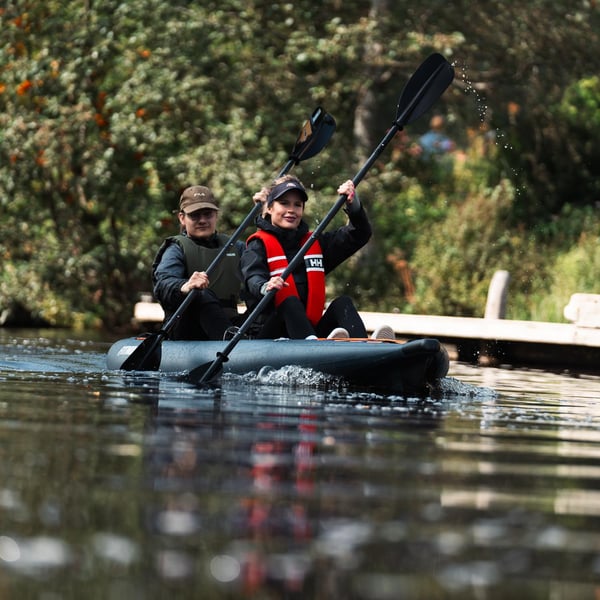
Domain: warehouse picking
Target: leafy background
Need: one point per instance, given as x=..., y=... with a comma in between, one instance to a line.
x=108, y=109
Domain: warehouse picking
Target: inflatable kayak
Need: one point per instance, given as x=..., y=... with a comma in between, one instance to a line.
x=411, y=368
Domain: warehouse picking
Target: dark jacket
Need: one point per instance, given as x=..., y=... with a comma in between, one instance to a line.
x=337, y=246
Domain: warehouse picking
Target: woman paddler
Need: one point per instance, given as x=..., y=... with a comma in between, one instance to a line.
x=297, y=310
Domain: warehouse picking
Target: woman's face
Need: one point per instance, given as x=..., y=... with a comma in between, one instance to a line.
x=286, y=212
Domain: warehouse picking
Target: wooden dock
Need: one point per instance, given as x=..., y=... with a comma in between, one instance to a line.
x=500, y=341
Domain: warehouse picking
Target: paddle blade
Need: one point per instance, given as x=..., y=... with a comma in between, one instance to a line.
x=206, y=373
x=314, y=135
x=424, y=88
x=146, y=357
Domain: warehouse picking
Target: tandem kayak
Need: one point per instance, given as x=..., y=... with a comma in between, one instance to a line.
x=410, y=368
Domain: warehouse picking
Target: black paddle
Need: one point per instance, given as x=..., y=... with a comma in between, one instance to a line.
x=426, y=85
x=313, y=137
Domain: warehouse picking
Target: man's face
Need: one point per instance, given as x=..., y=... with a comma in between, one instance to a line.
x=201, y=223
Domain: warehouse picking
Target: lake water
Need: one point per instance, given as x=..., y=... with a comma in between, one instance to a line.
x=116, y=486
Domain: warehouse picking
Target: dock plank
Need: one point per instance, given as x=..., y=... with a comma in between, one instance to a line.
x=484, y=329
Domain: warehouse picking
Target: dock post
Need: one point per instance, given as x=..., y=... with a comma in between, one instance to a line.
x=495, y=308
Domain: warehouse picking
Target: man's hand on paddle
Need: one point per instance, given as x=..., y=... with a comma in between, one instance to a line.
x=198, y=280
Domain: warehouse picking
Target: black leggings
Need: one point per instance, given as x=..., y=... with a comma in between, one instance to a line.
x=290, y=320
x=341, y=312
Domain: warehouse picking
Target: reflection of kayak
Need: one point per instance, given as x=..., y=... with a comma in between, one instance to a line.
x=411, y=368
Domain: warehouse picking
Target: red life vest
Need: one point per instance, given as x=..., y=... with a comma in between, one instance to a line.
x=315, y=273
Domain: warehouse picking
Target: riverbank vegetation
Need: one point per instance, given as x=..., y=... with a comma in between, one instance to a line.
x=109, y=109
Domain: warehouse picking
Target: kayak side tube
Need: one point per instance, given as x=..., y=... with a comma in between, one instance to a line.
x=412, y=367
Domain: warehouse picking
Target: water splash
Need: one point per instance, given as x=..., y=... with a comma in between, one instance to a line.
x=470, y=88
x=291, y=376
x=496, y=136
x=451, y=387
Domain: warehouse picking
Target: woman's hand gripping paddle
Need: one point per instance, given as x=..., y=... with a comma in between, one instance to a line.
x=313, y=137
x=426, y=85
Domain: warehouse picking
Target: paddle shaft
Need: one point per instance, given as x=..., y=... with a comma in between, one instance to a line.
x=294, y=263
x=404, y=115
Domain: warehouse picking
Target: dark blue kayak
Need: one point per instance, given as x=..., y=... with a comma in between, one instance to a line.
x=411, y=368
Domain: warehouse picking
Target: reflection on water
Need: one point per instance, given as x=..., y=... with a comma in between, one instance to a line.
x=287, y=485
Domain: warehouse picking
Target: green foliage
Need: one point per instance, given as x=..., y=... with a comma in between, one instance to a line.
x=455, y=260
x=576, y=267
x=580, y=105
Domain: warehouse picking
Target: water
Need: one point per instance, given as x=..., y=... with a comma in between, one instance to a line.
x=288, y=486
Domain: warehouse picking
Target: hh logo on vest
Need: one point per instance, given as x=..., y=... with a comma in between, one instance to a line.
x=314, y=263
